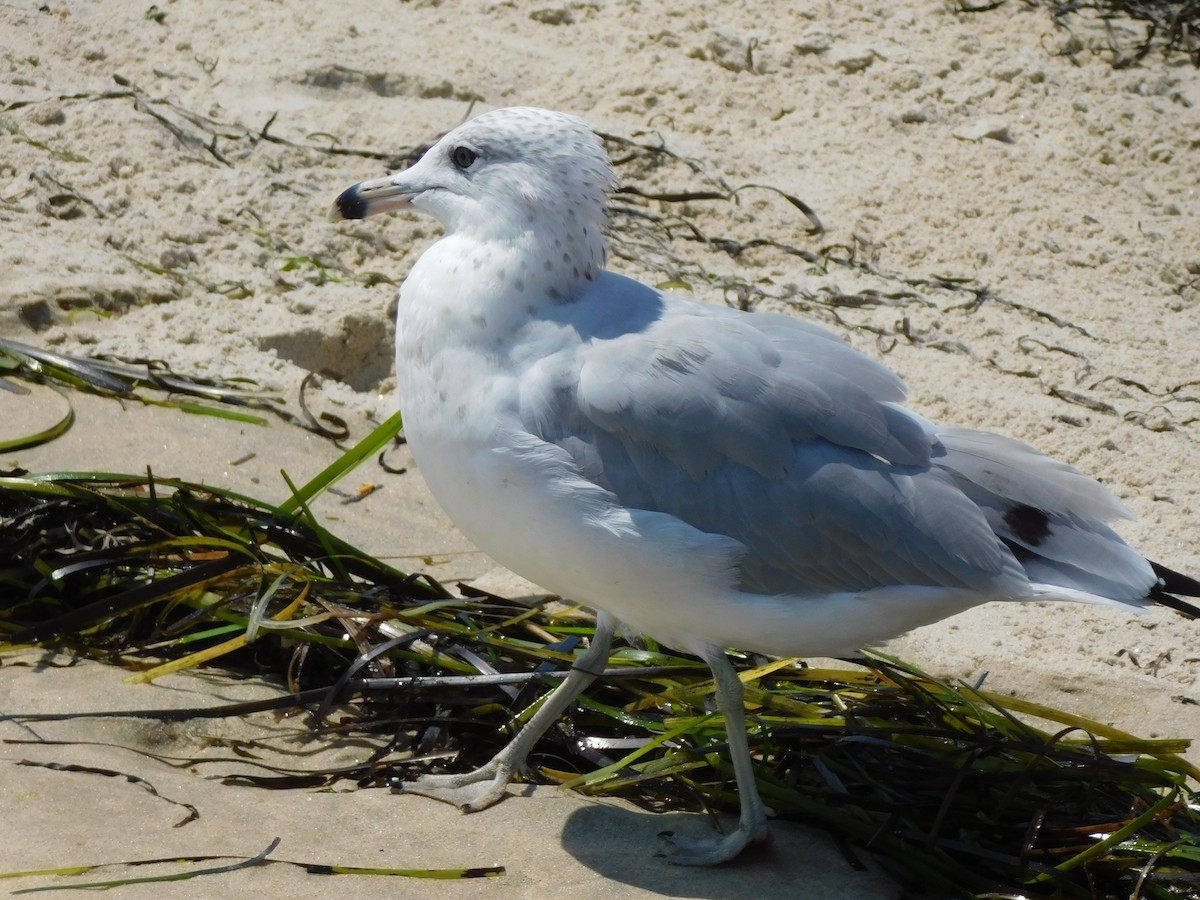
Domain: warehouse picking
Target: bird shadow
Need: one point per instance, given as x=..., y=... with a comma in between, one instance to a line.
x=623, y=845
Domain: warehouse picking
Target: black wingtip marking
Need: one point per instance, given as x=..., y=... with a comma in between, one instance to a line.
x=1180, y=606
x=1175, y=583
x=1028, y=523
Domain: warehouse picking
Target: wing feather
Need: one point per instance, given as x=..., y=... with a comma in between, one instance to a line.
x=774, y=432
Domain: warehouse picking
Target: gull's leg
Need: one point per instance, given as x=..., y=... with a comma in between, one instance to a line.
x=752, y=825
x=473, y=791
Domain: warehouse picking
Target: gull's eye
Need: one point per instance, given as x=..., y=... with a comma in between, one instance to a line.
x=463, y=157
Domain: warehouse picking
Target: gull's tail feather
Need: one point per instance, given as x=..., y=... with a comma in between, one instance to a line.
x=1053, y=519
x=1171, y=583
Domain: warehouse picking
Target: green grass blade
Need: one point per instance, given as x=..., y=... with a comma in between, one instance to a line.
x=373, y=443
x=44, y=436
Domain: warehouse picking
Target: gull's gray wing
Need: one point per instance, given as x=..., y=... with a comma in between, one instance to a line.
x=774, y=432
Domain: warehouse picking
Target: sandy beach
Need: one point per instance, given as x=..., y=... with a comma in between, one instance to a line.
x=1011, y=223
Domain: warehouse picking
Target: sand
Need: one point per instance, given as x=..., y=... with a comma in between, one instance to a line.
x=163, y=190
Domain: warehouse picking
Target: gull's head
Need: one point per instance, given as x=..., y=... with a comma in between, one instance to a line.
x=497, y=176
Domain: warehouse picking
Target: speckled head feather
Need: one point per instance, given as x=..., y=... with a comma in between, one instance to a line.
x=514, y=172
x=523, y=184
x=551, y=155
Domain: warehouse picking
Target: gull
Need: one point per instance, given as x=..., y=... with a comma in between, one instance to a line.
x=710, y=477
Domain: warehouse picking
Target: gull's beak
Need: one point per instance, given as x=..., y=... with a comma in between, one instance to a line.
x=370, y=197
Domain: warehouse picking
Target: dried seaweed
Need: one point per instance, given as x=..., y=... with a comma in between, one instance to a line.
x=263, y=858
x=1173, y=25
x=945, y=783
x=153, y=382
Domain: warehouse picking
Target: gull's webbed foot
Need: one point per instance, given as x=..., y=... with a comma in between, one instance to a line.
x=712, y=851
x=473, y=791
x=469, y=791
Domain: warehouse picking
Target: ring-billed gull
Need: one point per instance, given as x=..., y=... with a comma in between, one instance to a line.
x=710, y=477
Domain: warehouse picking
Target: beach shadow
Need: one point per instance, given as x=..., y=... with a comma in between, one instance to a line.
x=621, y=844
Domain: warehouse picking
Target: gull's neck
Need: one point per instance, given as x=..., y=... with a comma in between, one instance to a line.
x=472, y=291
x=471, y=314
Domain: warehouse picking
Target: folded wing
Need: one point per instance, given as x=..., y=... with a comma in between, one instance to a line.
x=774, y=432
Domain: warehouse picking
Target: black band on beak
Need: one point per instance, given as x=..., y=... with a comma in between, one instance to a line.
x=350, y=204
